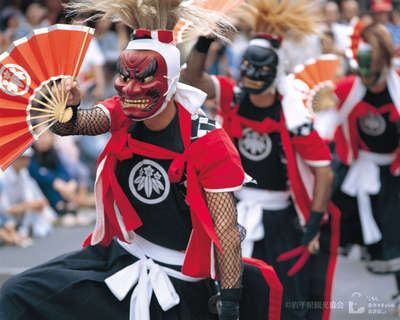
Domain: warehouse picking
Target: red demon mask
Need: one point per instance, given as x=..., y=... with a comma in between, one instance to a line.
x=142, y=83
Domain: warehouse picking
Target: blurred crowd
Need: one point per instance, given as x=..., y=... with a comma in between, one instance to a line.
x=53, y=181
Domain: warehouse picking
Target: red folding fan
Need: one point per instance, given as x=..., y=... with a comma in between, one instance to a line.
x=319, y=75
x=29, y=72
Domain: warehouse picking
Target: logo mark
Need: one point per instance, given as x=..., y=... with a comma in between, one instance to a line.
x=14, y=80
x=373, y=124
x=255, y=146
x=149, y=182
x=355, y=304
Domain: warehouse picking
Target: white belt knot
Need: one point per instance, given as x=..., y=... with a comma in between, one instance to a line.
x=363, y=180
x=148, y=277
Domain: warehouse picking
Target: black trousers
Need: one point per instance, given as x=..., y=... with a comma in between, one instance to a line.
x=71, y=287
x=386, y=211
x=304, y=294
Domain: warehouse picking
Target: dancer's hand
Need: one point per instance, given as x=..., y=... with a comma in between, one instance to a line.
x=313, y=246
x=311, y=234
x=72, y=91
x=228, y=308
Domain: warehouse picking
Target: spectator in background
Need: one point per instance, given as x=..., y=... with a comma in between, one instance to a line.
x=91, y=76
x=331, y=13
x=328, y=47
x=69, y=154
x=8, y=229
x=54, y=180
x=340, y=31
x=107, y=40
x=22, y=199
x=10, y=26
x=54, y=9
x=381, y=11
x=35, y=17
x=350, y=11
x=394, y=29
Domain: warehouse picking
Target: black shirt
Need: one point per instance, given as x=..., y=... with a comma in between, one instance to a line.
x=160, y=204
x=375, y=129
x=262, y=154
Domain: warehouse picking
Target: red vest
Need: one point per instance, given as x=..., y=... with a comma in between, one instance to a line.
x=310, y=148
x=211, y=162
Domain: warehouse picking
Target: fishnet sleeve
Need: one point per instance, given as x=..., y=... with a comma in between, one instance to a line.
x=223, y=211
x=90, y=122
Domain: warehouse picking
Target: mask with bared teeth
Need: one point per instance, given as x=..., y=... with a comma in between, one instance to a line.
x=149, y=70
x=142, y=83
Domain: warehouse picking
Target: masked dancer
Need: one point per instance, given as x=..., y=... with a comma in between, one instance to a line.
x=367, y=146
x=266, y=118
x=166, y=217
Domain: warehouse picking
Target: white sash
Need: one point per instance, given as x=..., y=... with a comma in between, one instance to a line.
x=250, y=212
x=148, y=277
x=363, y=180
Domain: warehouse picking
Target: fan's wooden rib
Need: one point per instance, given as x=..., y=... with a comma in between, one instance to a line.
x=45, y=55
x=62, y=90
x=42, y=110
x=74, y=74
x=47, y=127
x=46, y=105
x=51, y=94
x=57, y=90
x=78, y=62
x=42, y=123
x=52, y=103
x=42, y=116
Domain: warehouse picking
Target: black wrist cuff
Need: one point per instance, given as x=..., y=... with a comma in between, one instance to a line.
x=233, y=294
x=203, y=44
x=312, y=227
x=315, y=217
x=74, y=112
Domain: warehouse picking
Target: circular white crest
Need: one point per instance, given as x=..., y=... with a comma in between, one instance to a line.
x=255, y=146
x=14, y=80
x=149, y=182
x=373, y=124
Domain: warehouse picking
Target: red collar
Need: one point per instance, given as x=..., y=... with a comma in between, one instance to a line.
x=234, y=124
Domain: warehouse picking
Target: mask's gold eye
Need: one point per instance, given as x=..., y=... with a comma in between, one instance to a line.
x=148, y=79
x=266, y=68
x=245, y=63
x=124, y=77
